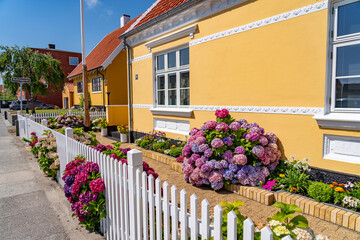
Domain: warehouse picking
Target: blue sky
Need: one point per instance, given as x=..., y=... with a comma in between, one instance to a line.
x=35, y=23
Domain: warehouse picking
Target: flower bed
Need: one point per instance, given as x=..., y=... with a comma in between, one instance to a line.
x=98, y=123
x=66, y=120
x=120, y=154
x=228, y=151
x=87, y=138
x=84, y=190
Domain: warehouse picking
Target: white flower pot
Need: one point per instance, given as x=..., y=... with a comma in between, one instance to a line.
x=104, y=132
x=123, y=137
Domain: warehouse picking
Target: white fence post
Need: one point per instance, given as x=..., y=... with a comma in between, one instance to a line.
x=44, y=122
x=27, y=126
x=69, y=133
x=248, y=229
x=134, y=158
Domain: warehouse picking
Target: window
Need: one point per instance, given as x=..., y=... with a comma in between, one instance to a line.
x=79, y=87
x=173, y=78
x=73, y=61
x=96, y=84
x=346, y=56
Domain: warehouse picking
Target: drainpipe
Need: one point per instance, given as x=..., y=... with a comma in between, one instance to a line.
x=103, y=86
x=129, y=86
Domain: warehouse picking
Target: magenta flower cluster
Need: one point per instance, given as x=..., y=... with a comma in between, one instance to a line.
x=66, y=120
x=82, y=187
x=229, y=151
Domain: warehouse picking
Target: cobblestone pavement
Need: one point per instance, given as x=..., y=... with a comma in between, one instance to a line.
x=258, y=212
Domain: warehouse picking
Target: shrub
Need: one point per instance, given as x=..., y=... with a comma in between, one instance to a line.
x=321, y=192
x=226, y=151
x=48, y=159
x=99, y=123
x=295, y=181
x=175, y=151
x=87, y=138
x=145, y=143
x=84, y=190
x=66, y=120
x=161, y=145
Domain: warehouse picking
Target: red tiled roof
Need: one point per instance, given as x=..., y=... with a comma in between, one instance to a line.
x=103, y=50
x=161, y=7
x=69, y=86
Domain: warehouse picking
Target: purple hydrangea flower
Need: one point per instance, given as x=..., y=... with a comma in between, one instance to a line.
x=228, y=175
x=271, y=137
x=239, y=150
x=193, y=131
x=218, y=165
x=69, y=180
x=217, y=185
x=240, y=159
x=234, y=126
x=251, y=125
x=186, y=150
x=216, y=143
x=222, y=127
x=227, y=155
x=210, y=125
x=200, y=161
x=258, y=150
x=233, y=167
x=242, y=121
x=224, y=164
x=252, y=137
x=215, y=176
x=195, y=148
x=208, y=153
x=203, y=147
x=263, y=141
x=228, y=141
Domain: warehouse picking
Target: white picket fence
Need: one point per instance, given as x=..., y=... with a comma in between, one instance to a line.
x=93, y=114
x=139, y=207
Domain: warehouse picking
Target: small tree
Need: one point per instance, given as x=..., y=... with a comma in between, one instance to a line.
x=81, y=99
x=23, y=62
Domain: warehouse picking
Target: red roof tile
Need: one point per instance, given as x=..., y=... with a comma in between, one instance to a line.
x=160, y=8
x=69, y=86
x=103, y=50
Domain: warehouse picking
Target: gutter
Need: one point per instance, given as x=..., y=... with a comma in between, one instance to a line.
x=165, y=15
x=127, y=47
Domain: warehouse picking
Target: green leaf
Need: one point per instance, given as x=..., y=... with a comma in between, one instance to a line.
x=291, y=208
x=238, y=203
x=280, y=205
x=300, y=221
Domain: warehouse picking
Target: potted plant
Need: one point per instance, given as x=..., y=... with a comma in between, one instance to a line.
x=103, y=127
x=123, y=130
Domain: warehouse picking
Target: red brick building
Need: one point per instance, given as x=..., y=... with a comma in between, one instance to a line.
x=68, y=61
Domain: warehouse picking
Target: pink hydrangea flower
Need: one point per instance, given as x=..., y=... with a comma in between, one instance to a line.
x=210, y=125
x=216, y=143
x=234, y=126
x=240, y=159
x=222, y=127
x=222, y=113
x=97, y=185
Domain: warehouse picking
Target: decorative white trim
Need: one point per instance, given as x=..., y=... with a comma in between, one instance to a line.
x=171, y=125
x=113, y=55
x=250, y=109
x=263, y=22
x=141, y=58
x=179, y=112
x=350, y=121
x=341, y=148
x=172, y=36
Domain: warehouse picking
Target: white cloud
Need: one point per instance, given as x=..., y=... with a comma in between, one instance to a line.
x=109, y=12
x=91, y=3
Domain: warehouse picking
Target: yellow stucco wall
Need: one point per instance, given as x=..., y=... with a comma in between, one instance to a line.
x=96, y=97
x=69, y=95
x=282, y=64
x=117, y=115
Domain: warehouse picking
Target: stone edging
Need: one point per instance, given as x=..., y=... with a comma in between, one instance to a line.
x=327, y=212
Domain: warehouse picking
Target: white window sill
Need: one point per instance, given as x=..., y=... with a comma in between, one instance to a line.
x=350, y=121
x=97, y=92
x=179, y=112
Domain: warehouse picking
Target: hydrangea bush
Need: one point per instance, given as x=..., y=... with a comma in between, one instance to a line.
x=120, y=154
x=66, y=120
x=32, y=142
x=87, y=138
x=227, y=151
x=84, y=190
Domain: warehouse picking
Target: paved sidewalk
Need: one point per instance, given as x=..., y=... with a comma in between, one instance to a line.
x=32, y=206
x=258, y=212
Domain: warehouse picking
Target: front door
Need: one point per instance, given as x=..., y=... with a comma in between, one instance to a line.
x=66, y=102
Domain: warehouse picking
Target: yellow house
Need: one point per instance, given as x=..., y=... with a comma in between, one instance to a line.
x=68, y=95
x=107, y=76
x=291, y=66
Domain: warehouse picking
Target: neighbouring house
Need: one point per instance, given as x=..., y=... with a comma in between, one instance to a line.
x=291, y=66
x=68, y=61
x=107, y=76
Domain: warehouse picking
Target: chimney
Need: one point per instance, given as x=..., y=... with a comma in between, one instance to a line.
x=51, y=46
x=124, y=19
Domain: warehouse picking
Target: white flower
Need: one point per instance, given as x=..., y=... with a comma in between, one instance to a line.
x=302, y=234
x=321, y=237
x=280, y=230
x=293, y=157
x=274, y=223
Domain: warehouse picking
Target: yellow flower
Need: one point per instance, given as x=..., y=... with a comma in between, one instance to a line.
x=281, y=175
x=331, y=185
x=339, y=189
x=173, y=146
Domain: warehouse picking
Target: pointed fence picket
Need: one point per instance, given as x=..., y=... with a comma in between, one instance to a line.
x=39, y=116
x=139, y=206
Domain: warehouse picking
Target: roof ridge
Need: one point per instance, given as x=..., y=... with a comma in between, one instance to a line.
x=142, y=16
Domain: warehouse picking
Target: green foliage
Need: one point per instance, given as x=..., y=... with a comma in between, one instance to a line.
x=321, y=192
x=338, y=197
x=228, y=207
x=81, y=98
x=23, y=62
x=161, y=145
x=145, y=143
x=295, y=181
x=176, y=151
x=286, y=218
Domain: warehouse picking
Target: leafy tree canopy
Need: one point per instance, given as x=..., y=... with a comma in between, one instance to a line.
x=23, y=62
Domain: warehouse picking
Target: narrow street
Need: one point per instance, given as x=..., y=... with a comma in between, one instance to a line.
x=32, y=206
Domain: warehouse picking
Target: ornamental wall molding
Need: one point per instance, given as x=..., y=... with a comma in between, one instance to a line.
x=141, y=58
x=260, y=23
x=263, y=22
x=183, y=18
x=251, y=109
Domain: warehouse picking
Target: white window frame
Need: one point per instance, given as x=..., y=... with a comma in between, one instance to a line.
x=77, y=59
x=166, y=72
x=336, y=42
x=92, y=85
x=77, y=87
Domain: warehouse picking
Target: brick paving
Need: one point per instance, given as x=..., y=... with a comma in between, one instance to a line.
x=258, y=212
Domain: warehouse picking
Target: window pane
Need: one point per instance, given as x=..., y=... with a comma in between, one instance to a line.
x=161, y=97
x=184, y=80
x=161, y=82
x=348, y=93
x=184, y=97
x=172, y=97
x=160, y=62
x=172, y=81
x=349, y=19
x=184, y=56
x=348, y=60
x=171, y=59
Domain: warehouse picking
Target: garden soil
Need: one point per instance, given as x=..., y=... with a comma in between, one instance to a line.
x=258, y=212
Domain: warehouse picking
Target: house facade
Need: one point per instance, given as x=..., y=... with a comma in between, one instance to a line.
x=293, y=67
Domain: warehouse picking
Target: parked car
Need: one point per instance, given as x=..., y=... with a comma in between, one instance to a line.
x=15, y=105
